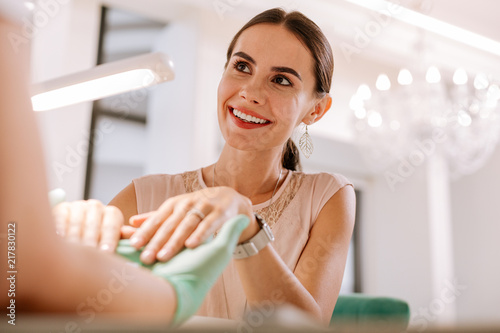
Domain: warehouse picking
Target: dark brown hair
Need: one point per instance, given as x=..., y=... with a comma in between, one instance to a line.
x=311, y=35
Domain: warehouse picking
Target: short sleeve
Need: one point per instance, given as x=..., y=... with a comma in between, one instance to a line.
x=324, y=186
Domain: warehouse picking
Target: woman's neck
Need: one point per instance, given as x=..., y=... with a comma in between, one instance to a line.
x=253, y=174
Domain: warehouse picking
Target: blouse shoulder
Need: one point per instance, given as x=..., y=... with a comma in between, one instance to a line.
x=307, y=192
x=318, y=188
x=328, y=181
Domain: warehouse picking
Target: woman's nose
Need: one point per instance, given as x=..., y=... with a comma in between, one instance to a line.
x=253, y=92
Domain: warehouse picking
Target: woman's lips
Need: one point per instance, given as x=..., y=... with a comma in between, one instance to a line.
x=244, y=124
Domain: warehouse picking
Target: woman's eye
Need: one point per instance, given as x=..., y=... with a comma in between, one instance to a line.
x=242, y=67
x=282, y=81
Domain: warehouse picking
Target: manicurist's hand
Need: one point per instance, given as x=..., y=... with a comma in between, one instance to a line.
x=89, y=223
x=187, y=221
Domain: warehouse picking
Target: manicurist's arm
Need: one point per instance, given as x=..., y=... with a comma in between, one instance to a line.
x=25, y=208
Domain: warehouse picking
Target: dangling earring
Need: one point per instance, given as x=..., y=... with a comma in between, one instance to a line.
x=306, y=144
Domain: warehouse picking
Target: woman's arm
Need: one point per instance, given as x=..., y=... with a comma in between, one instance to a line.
x=315, y=284
x=126, y=201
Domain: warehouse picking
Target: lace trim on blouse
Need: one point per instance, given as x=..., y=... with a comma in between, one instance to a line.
x=270, y=213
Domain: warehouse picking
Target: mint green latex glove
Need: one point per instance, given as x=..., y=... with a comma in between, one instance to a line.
x=192, y=272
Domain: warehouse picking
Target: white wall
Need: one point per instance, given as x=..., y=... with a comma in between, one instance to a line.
x=184, y=111
x=171, y=105
x=476, y=223
x=66, y=43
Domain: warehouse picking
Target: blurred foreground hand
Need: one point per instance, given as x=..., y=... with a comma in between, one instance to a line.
x=90, y=223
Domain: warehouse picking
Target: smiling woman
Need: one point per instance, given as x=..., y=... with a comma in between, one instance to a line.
x=275, y=86
x=277, y=75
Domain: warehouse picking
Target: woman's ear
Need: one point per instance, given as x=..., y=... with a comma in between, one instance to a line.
x=319, y=110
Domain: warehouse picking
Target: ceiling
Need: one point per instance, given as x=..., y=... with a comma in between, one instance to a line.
x=479, y=16
x=340, y=19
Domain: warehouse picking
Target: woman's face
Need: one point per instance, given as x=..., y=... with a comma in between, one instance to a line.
x=266, y=90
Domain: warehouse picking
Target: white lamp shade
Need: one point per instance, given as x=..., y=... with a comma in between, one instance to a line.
x=103, y=81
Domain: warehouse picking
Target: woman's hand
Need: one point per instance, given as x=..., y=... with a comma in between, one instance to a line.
x=89, y=223
x=188, y=220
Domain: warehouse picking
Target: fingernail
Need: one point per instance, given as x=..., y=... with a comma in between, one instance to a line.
x=193, y=241
x=147, y=256
x=131, y=220
x=164, y=254
x=135, y=240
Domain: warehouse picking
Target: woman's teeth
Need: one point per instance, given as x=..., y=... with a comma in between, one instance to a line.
x=247, y=118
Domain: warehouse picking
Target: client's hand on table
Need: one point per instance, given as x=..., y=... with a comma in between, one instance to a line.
x=90, y=223
x=188, y=220
x=192, y=272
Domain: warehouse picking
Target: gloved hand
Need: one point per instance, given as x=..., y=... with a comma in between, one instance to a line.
x=192, y=272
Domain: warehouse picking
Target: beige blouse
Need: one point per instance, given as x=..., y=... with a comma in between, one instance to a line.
x=291, y=215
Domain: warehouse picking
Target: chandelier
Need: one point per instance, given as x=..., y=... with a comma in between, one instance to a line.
x=429, y=112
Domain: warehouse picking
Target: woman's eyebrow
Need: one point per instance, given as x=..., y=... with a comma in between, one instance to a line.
x=245, y=56
x=287, y=70
x=280, y=69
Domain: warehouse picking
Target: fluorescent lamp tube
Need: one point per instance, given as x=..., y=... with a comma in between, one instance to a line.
x=433, y=25
x=103, y=81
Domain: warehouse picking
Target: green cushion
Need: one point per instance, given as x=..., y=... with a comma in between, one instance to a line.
x=359, y=311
